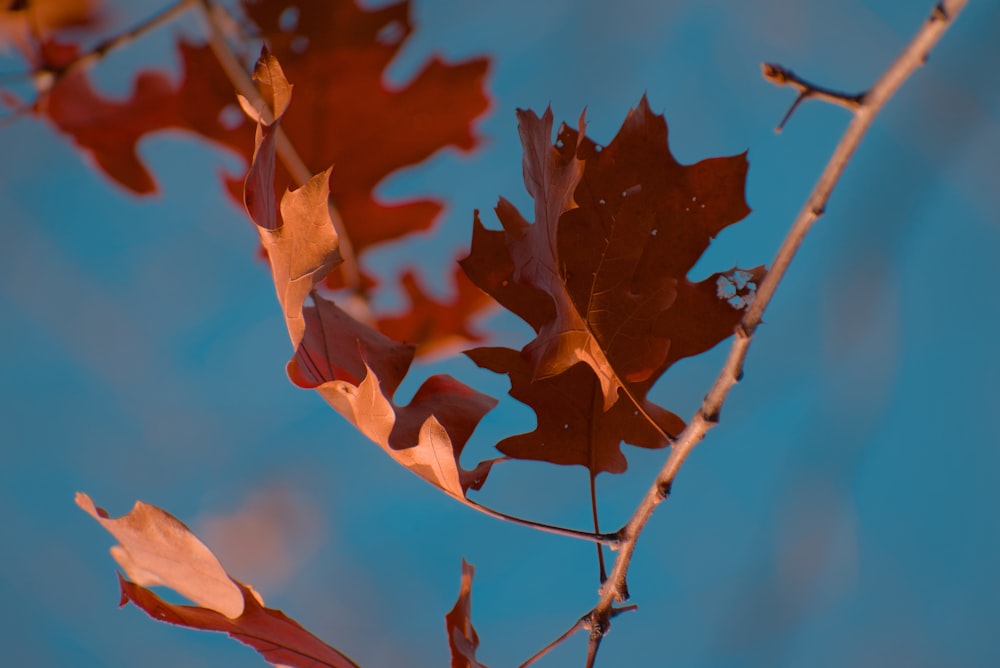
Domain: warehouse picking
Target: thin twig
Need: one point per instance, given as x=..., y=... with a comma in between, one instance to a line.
x=780, y=76
x=912, y=57
x=289, y=156
x=582, y=623
x=597, y=525
x=610, y=539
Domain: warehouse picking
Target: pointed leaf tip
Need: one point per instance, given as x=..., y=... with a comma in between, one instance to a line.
x=155, y=548
x=274, y=87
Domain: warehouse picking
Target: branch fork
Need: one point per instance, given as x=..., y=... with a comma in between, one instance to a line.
x=781, y=76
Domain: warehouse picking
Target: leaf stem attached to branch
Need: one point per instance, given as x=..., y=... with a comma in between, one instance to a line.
x=612, y=540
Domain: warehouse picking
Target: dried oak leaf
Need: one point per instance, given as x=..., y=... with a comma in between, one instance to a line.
x=601, y=275
x=353, y=366
x=357, y=370
x=157, y=549
x=462, y=636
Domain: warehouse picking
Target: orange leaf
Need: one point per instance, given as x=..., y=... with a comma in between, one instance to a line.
x=462, y=636
x=357, y=370
x=157, y=549
x=353, y=366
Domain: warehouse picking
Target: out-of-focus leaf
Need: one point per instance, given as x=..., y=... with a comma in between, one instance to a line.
x=346, y=115
x=432, y=323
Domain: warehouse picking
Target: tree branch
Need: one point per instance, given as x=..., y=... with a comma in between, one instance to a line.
x=780, y=76
x=582, y=623
x=865, y=110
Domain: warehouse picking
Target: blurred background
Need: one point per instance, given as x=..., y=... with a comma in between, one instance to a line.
x=843, y=513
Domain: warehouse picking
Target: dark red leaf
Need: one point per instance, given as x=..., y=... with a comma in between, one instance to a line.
x=572, y=428
x=601, y=275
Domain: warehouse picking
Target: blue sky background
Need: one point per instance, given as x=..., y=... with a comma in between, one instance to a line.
x=844, y=512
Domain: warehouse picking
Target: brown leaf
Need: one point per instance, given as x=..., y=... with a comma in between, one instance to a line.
x=601, y=275
x=157, y=549
x=353, y=366
x=302, y=247
x=462, y=636
x=357, y=370
x=571, y=426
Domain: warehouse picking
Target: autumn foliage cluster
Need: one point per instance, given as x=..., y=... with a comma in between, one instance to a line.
x=598, y=269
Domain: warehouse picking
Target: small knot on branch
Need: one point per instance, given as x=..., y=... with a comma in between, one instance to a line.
x=711, y=417
x=598, y=625
x=663, y=489
x=939, y=13
x=621, y=592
